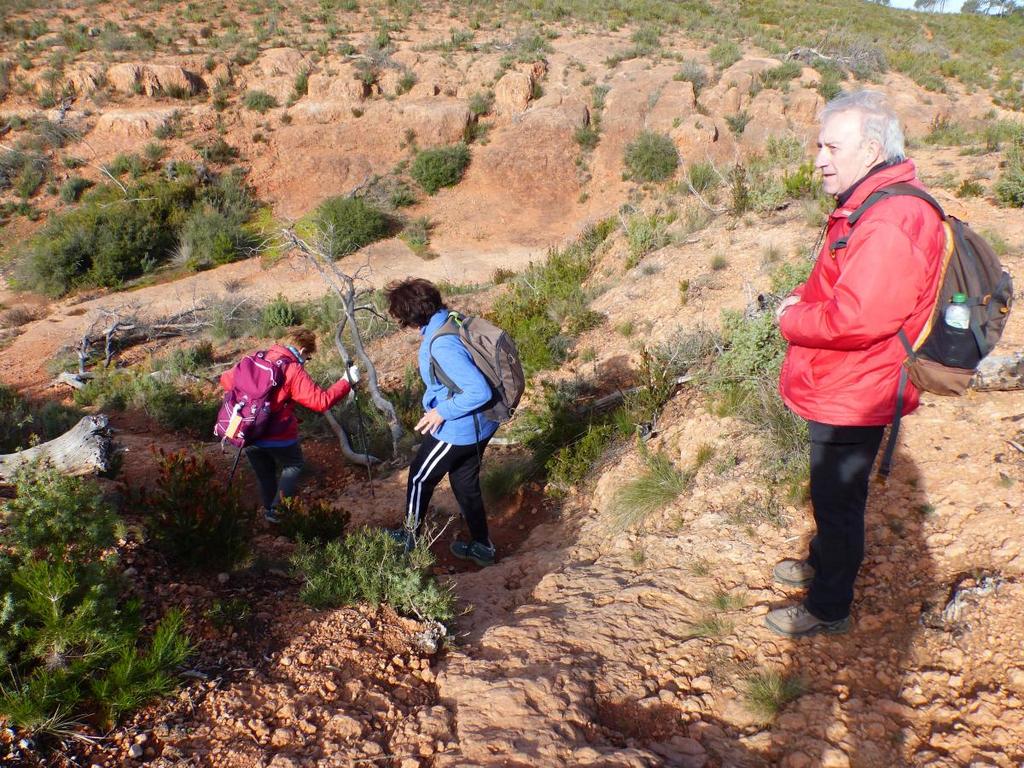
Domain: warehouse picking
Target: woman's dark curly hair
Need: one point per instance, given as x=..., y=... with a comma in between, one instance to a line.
x=413, y=302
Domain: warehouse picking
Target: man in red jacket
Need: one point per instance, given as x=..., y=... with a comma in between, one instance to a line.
x=842, y=367
x=279, y=445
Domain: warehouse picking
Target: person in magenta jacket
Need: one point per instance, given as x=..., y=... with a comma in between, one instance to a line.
x=841, y=371
x=278, y=448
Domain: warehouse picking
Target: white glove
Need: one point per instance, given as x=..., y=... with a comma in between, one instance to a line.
x=352, y=375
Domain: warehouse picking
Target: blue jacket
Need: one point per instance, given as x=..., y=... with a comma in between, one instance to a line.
x=456, y=409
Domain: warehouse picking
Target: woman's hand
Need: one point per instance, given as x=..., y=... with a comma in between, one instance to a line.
x=431, y=422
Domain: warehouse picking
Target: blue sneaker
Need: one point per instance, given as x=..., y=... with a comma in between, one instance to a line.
x=270, y=515
x=481, y=554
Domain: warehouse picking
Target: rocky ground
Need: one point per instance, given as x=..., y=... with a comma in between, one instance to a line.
x=583, y=646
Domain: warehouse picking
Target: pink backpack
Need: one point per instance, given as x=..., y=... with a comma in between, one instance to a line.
x=245, y=412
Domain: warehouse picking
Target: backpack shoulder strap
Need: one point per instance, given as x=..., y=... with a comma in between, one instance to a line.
x=451, y=327
x=893, y=190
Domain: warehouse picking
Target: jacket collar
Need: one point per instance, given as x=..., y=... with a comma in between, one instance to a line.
x=875, y=180
x=436, y=321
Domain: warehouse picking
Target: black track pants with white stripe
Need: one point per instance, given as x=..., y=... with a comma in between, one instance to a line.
x=461, y=463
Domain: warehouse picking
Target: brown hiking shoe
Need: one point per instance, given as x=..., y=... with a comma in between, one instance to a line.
x=797, y=621
x=793, y=573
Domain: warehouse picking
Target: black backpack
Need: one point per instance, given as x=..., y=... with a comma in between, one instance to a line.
x=495, y=354
x=943, y=359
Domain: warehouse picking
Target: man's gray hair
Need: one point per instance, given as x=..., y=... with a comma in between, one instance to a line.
x=878, y=120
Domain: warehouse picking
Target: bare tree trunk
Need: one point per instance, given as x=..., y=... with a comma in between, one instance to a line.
x=84, y=449
x=1000, y=373
x=364, y=459
x=343, y=285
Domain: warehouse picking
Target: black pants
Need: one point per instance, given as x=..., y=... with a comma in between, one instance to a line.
x=841, y=460
x=265, y=463
x=461, y=463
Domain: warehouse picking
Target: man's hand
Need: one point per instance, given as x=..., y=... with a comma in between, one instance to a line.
x=431, y=422
x=785, y=304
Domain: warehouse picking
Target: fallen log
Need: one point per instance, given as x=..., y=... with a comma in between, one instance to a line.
x=84, y=449
x=999, y=373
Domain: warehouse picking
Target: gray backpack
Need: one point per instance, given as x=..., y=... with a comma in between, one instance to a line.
x=495, y=354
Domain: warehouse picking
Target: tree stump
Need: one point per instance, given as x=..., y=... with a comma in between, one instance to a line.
x=998, y=373
x=84, y=449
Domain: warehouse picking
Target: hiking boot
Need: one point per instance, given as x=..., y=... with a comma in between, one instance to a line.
x=797, y=621
x=403, y=537
x=481, y=554
x=271, y=516
x=794, y=573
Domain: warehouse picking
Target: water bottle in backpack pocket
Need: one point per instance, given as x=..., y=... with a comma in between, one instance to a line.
x=954, y=338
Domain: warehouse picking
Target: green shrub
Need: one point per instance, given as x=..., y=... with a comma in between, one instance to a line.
x=481, y=103
x=571, y=464
x=803, y=182
x=500, y=482
x=350, y=223
x=73, y=188
x=738, y=122
x=970, y=188
x=693, y=73
x=311, y=521
x=191, y=359
x=945, y=132
x=108, y=239
x=725, y=54
x=646, y=234
x=779, y=77
x=188, y=410
x=259, y=101
x=660, y=484
x=68, y=642
x=127, y=164
x=441, y=167
x=192, y=518
x=23, y=423
x=209, y=238
x=547, y=296
x=651, y=157
x=587, y=137
x=703, y=176
x=416, y=235
x=302, y=83
x=1009, y=189
x=369, y=566
x=277, y=316
x=217, y=151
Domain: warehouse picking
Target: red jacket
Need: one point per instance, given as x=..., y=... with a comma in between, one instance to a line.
x=843, y=362
x=299, y=388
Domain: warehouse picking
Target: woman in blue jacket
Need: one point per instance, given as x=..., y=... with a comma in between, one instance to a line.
x=455, y=432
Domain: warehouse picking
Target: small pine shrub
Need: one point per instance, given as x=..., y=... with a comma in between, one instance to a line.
x=369, y=566
x=442, y=167
x=769, y=691
x=651, y=157
x=417, y=236
x=802, y=183
x=302, y=83
x=217, y=151
x=350, y=223
x=259, y=101
x=277, y=316
x=944, y=131
x=311, y=521
x=68, y=642
x=191, y=517
x=209, y=238
x=500, y=482
x=588, y=137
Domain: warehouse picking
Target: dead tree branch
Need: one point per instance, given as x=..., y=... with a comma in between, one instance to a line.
x=84, y=449
x=343, y=285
